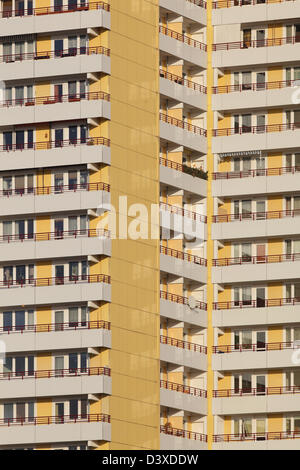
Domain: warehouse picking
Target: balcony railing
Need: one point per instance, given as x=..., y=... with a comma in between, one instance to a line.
x=240, y=3
x=55, y=144
x=256, y=392
x=254, y=86
x=289, y=170
x=183, y=212
x=254, y=43
x=178, y=343
x=237, y=304
x=54, y=9
x=43, y=100
x=256, y=259
x=182, y=81
x=50, y=327
x=195, y=172
x=199, y=3
x=58, y=235
x=55, y=281
x=196, y=392
x=58, y=189
x=256, y=216
x=182, y=38
x=58, y=373
x=256, y=129
x=195, y=436
x=259, y=436
x=182, y=124
x=182, y=255
x=78, y=418
x=179, y=299
x=232, y=348
x=58, y=54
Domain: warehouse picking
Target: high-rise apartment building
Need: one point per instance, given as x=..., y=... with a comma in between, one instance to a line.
x=114, y=341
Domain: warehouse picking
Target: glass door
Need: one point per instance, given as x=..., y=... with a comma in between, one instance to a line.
x=59, y=412
x=261, y=340
x=59, y=274
x=260, y=297
x=260, y=385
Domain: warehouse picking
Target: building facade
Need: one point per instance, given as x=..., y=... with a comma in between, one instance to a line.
x=178, y=339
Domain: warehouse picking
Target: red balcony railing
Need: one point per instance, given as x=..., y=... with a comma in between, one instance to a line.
x=256, y=259
x=199, y=3
x=226, y=46
x=195, y=172
x=55, y=281
x=58, y=54
x=54, y=9
x=256, y=216
x=196, y=392
x=196, y=436
x=58, y=189
x=79, y=418
x=182, y=38
x=43, y=100
x=178, y=343
x=48, y=374
x=256, y=303
x=182, y=81
x=256, y=392
x=231, y=348
x=254, y=86
x=289, y=170
x=183, y=212
x=240, y=3
x=55, y=144
x=259, y=436
x=182, y=124
x=256, y=129
x=58, y=235
x=183, y=256
x=180, y=299
x=48, y=327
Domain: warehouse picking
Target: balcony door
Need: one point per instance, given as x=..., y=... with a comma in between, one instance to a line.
x=260, y=297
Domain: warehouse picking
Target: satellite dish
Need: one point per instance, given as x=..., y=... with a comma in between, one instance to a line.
x=192, y=302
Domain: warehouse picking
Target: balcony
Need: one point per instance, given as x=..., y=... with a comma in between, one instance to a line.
x=253, y=356
x=177, y=308
x=187, y=8
x=267, y=181
x=180, y=439
x=182, y=220
x=255, y=224
x=46, y=19
x=182, y=133
x=183, y=397
x=46, y=290
x=175, y=175
x=184, y=353
x=269, y=137
x=253, y=11
x=55, y=382
x=64, y=107
x=183, y=264
x=50, y=63
x=268, y=400
x=182, y=46
x=54, y=153
x=45, y=199
x=185, y=91
x=55, y=245
x=90, y=334
x=256, y=52
x=257, y=441
x=255, y=268
x=45, y=429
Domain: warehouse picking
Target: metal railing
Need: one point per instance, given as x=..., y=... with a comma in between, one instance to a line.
x=54, y=9
x=57, y=235
x=56, y=189
x=48, y=327
x=182, y=255
x=182, y=38
x=55, y=281
x=256, y=129
x=254, y=86
x=240, y=3
x=258, y=436
x=195, y=172
x=175, y=387
x=183, y=212
x=179, y=299
x=182, y=81
x=182, y=124
x=256, y=259
x=176, y=432
x=58, y=54
x=225, y=175
x=255, y=216
x=256, y=391
x=55, y=144
x=59, y=373
x=178, y=343
x=44, y=100
x=256, y=303
x=253, y=43
x=198, y=3
x=231, y=348
x=78, y=418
